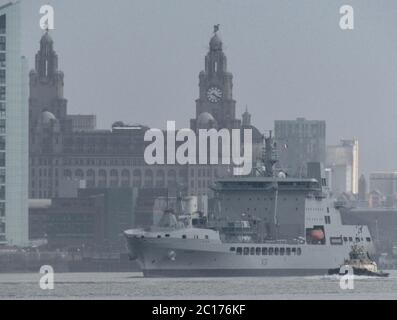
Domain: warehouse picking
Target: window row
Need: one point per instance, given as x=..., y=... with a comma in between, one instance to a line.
x=265, y=251
x=104, y=162
x=357, y=239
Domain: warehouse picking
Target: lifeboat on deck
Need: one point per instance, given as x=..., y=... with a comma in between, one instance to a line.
x=317, y=234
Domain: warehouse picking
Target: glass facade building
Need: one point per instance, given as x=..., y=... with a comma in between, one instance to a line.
x=13, y=130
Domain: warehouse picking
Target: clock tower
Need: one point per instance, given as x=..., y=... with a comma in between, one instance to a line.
x=215, y=107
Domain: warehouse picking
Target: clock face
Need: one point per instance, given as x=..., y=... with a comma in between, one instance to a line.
x=214, y=94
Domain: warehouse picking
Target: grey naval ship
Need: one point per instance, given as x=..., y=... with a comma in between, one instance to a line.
x=267, y=224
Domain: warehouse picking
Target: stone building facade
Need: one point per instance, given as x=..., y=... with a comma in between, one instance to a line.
x=115, y=158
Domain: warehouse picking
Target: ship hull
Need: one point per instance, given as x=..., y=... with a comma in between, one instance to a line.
x=200, y=258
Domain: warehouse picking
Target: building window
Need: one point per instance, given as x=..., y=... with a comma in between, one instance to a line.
x=2, y=44
x=2, y=77
x=79, y=174
x=264, y=251
x=2, y=59
x=67, y=173
x=102, y=178
x=137, y=178
x=336, y=241
x=126, y=178
x=2, y=126
x=90, y=178
x=2, y=159
x=2, y=209
x=160, y=179
x=327, y=220
x=149, y=179
x=114, y=178
x=2, y=192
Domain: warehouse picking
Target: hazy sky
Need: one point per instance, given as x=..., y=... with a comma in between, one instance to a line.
x=139, y=61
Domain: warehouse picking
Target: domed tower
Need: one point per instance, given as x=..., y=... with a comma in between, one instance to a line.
x=47, y=117
x=46, y=59
x=216, y=88
x=206, y=121
x=46, y=84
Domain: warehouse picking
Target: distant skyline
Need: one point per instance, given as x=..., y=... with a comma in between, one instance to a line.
x=138, y=61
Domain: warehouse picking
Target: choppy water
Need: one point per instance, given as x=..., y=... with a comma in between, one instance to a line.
x=134, y=286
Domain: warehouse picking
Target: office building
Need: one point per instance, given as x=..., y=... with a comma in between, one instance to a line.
x=342, y=160
x=299, y=142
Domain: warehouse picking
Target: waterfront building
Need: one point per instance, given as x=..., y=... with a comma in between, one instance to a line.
x=299, y=142
x=384, y=184
x=69, y=147
x=342, y=160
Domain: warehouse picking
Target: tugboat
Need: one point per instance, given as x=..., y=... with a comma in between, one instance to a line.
x=361, y=263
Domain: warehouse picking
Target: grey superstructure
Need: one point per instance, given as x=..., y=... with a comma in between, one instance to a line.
x=265, y=224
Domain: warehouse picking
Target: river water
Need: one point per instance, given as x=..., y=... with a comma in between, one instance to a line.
x=134, y=286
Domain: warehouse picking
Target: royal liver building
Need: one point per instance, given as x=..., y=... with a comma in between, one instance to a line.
x=68, y=148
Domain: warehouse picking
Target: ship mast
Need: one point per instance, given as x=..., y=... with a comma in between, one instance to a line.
x=270, y=155
x=269, y=159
